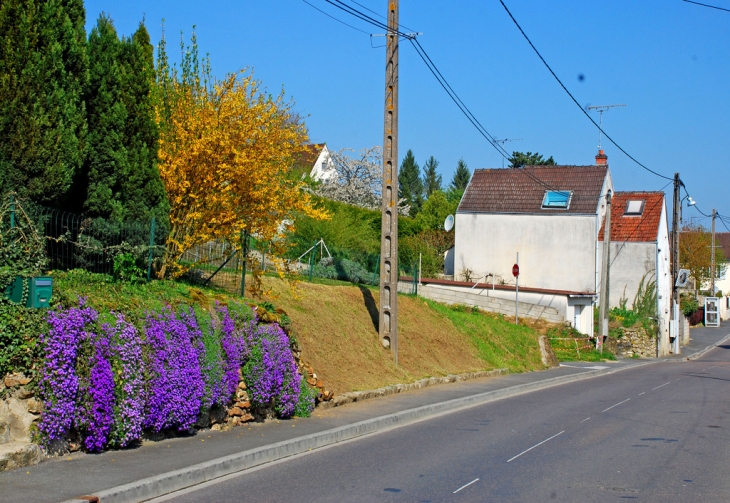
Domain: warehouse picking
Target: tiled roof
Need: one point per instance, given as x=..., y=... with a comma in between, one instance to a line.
x=635, y=228
x=514, y=190
x=723, y=239
x=308, y=155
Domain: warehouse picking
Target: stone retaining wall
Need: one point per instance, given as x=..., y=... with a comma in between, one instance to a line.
x=635, y=342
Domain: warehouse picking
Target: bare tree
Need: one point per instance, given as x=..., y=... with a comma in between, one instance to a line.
x=358, y=179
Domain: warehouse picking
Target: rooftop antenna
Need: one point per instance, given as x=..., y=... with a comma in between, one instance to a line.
x=601, y=109
x=503, y=142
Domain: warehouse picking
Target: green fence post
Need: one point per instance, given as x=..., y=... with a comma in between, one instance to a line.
x=244, y=237
x=377, y=270
x=311, y=261
x=149, y=255
x=12, y=211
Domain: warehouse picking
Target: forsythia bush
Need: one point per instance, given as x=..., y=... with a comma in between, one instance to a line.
x=108, y=380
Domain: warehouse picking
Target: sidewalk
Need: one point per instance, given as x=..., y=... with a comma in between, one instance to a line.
x=156, y=468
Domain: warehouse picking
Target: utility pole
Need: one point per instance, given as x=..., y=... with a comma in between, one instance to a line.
x=388, y=320
x=712, y=256
x=675, y=261
x=605, y=275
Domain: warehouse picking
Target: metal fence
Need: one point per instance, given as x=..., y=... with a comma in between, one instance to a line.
x=77, y=242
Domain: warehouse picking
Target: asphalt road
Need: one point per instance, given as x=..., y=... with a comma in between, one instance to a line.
x=655, y=433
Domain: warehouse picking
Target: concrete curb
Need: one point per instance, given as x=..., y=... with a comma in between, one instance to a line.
x=698, y=354
x=177, y=480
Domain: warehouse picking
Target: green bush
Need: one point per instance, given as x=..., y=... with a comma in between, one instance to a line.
x=342, y=269
x=126, y=268
x=306, y=402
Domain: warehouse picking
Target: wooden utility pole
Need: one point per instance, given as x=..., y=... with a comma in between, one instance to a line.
x=606, y=264
x=388, y=321
x=677, y=207
x=712, y=256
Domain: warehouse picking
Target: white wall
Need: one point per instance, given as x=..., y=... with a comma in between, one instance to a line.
x=323, y=168
x=556, y=251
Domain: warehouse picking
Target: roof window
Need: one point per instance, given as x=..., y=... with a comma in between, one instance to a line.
x=557, y=199
x=635, y=207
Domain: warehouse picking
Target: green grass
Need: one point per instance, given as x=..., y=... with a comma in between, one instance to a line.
x=499, y=342
x=569, y=345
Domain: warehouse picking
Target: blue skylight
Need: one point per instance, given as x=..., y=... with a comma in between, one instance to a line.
x=556, y=199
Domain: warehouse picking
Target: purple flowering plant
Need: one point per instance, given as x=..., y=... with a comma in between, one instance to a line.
x=175, y=387
x=59, y=383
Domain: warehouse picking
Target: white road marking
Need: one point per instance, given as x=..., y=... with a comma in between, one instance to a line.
x=594, y=367
x=536, y=445
x=586, y=419
x=642, y=393
x=467, y=485
x=612, y=406
x=661, y=385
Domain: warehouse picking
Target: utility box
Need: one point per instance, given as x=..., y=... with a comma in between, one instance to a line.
x=31, y=292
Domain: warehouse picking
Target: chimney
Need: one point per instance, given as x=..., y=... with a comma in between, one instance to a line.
x=601, y=158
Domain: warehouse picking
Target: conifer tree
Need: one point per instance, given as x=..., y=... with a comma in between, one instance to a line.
x=144, y=192
x=43, y=73
x=461, y=176
x=107, y=165
x=431, y=179
x=411, y=185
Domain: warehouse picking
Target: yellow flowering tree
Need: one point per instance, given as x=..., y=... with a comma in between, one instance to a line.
x=226, y=148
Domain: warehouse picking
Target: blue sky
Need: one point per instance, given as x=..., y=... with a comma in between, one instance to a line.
x=667, y=60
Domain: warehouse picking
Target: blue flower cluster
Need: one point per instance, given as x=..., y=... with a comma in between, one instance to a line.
x=109, y=381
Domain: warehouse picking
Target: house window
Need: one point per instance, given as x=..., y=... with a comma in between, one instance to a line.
x=635, y=207
x=557, y=199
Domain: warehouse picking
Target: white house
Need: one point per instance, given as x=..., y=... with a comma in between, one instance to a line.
x=639, y=250
x=551, y=216
x=722, y=280
x=318, y=157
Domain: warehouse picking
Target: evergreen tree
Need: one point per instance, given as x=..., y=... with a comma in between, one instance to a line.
x=411, y=186
x=144, y=192
x=123, y=180
x=519, y=159
x=107, y=164
x=461, y=176
x=43, y=73
x=431, y=179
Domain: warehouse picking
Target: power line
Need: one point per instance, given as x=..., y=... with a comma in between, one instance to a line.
x=705, y=5
x=332, y=17
x=573, y=98
x=378, y=14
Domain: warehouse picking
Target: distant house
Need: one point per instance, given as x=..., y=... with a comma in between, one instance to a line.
x=639, y=252
x=722, y=280
x=314, y=160
x=551, y=216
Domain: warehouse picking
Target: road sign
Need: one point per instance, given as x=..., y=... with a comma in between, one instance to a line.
x=515, y=270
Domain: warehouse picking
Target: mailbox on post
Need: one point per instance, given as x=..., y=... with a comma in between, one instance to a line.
x=32, y=292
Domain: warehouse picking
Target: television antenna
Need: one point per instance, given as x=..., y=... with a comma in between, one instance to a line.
x=503, y=142
x=601, y=109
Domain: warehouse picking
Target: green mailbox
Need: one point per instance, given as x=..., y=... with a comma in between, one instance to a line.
x=37, y=295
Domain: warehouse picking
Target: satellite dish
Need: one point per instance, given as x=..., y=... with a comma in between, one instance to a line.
x=449, y=223
x=682, y=278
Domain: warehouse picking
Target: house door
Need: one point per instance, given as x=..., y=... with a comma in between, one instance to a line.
x=577, y=315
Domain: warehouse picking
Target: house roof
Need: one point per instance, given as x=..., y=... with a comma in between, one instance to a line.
x=308, y=154
x=522, y=190
x=635, y=228
x=723, y=239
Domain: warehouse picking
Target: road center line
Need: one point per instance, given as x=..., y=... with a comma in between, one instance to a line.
x=642, y=393
x=536, y=445
x=467, y=485
x=586, y=419
x=612, y=406
x=661, y=385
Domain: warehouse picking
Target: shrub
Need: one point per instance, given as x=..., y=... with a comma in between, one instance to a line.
x=342, y=269
x=305, y=403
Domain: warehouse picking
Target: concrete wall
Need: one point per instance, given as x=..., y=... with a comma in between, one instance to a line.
x=449, y=295
x=556, y=251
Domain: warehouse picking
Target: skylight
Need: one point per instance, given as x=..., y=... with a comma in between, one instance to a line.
x=557, y=199
x=635, y=207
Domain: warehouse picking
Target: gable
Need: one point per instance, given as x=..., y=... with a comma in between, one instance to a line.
x=526, y=190
x=635, y=216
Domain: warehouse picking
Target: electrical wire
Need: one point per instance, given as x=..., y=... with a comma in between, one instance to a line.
x=377, y=14
x=332, y=17
x=573, y=98
x=705, y=5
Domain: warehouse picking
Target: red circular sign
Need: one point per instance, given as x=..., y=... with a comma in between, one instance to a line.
x=515, y=270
